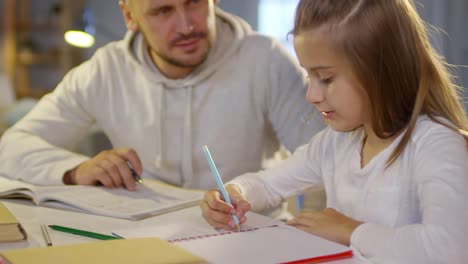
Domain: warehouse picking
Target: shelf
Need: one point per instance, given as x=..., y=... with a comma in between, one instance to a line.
x=29, y=58
x=25, y=26
x=38, y=92
x=35, y=53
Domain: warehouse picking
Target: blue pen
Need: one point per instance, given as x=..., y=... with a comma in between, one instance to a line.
x=219, y=182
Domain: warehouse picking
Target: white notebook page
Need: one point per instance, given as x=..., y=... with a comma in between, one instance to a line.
x=265, y=245
x=262, y=240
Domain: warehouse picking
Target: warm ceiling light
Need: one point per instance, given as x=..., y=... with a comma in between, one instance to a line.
x=79, y=38
x=82, y=34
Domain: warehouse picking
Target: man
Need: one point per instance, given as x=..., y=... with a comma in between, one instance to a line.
x=185, y=75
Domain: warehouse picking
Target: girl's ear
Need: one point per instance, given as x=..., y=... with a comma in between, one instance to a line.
x=130, y=21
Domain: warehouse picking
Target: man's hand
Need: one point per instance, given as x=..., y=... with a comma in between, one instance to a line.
x=109, y=168
x=218, y=213
x=328, y=224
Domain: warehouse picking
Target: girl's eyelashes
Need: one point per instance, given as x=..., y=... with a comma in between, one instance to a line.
x=322, y=78
x=327, y=80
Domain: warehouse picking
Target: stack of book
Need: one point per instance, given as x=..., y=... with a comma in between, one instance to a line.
x=10, y=229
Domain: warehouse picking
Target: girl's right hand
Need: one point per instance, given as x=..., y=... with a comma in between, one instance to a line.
x=218, y=213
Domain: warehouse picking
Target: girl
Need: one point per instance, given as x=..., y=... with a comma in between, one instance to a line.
x=394, y=159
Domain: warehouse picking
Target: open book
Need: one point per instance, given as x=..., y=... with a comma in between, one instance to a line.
x=261, y=240
x=150, y=198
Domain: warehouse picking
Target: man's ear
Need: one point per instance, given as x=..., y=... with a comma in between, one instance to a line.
x=130, y=21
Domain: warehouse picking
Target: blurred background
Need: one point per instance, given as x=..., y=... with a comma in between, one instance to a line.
x=34, y=55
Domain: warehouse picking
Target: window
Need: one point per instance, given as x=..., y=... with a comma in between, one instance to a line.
x=276, y=19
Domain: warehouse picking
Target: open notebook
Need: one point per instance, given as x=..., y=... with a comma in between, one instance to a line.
x=261, y=240
x=151, y=198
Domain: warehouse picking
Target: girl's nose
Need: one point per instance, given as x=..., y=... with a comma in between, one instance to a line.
x=315, y=94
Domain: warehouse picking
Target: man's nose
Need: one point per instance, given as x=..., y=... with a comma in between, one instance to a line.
x=185, y=24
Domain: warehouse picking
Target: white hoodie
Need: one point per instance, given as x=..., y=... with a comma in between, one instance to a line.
x=246, y=96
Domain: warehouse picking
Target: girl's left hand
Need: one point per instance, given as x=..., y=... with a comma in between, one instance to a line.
x=328, y=224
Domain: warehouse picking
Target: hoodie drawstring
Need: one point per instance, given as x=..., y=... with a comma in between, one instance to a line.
x=186, y=149
x=160, y=127
x=186, y=155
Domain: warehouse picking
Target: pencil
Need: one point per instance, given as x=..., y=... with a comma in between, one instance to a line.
x=46, y=236
x=82, y=232
x=219, y=182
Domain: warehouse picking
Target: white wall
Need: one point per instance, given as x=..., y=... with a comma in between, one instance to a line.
x=247, y=9
x=451, y=17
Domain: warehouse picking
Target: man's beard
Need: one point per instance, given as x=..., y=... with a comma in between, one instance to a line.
x=179, y=63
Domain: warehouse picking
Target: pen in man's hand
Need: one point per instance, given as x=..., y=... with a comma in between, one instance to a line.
x=134, y=174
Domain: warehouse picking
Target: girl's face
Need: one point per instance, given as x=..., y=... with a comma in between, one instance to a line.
x=333, y=89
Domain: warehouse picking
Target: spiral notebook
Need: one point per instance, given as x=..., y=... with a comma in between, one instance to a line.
x=260, y=240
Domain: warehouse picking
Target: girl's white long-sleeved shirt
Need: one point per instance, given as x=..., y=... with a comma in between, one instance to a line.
x=245, y=99
x=415, y=211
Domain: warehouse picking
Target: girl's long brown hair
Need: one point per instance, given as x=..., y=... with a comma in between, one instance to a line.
x=387, y=46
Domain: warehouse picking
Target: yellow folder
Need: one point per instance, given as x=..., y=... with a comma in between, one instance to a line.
x=120, y=251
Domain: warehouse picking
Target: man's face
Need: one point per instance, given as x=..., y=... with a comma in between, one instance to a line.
x=178, y=32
